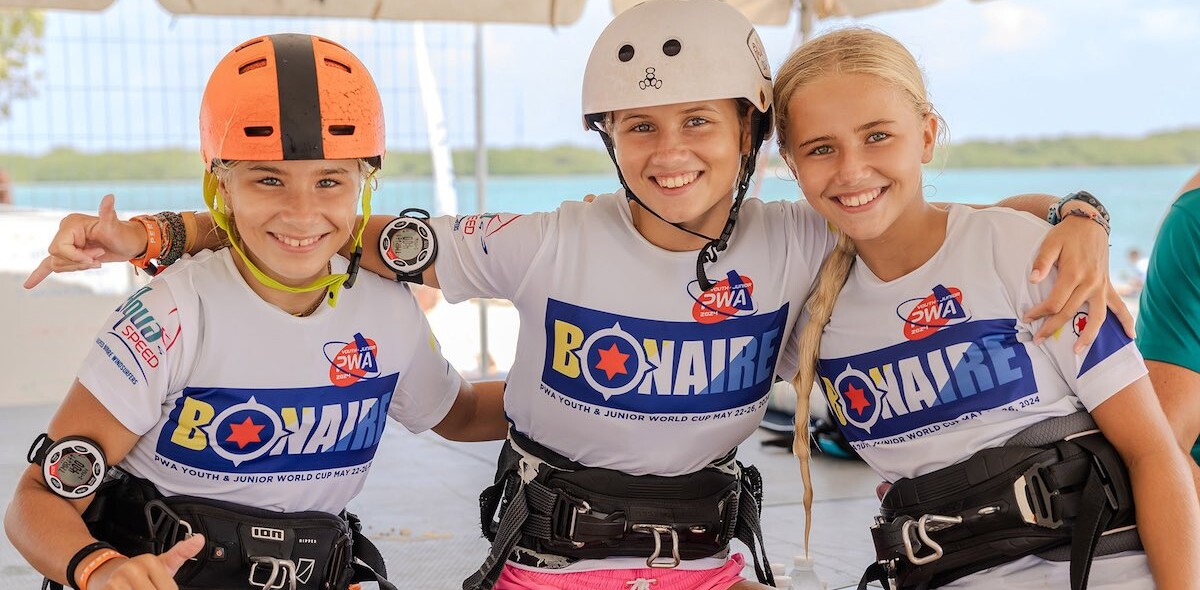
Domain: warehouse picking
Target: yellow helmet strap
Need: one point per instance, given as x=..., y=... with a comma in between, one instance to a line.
x=333, y=282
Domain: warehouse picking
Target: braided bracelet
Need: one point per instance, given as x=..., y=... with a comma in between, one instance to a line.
x=177, y=237
x=1077, y=212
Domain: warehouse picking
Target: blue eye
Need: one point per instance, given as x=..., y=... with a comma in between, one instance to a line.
x=821, y=150
x=877, y=137
x=641, y=128
x=696, y=121
x=328, y=183
x=270, y=181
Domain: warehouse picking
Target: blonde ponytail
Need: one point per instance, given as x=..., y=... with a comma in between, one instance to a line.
x=830, y=281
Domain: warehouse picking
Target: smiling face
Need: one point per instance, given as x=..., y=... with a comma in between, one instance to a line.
x=293, y=216
x=856, y=145
x=682, y=161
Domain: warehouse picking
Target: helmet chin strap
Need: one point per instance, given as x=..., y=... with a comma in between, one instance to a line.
x=333, y=282
x=708, y=253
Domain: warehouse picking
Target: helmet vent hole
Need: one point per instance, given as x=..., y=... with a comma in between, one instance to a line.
x=625, y=53
x=248, y=43
x=671, y=47
x=337, y=64
x=260, y=131
x=254, y=65
x=341, y=129
x=330, y=42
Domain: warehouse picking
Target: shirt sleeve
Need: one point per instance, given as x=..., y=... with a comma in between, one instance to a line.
x=487, y=255
x=429, y=384
x=1167, y=326
x=139, y=356
x=1107, y=366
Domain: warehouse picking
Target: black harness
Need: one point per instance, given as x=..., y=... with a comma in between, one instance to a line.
x=545, y=504
x=245, y=547
x=1058, y=490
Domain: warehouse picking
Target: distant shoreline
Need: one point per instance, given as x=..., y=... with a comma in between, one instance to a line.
x=1180, y=147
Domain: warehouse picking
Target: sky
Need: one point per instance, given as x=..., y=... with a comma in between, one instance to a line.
x=131, y=77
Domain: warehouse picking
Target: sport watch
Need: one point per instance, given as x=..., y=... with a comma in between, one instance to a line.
x=408, y=245
x=72, y=466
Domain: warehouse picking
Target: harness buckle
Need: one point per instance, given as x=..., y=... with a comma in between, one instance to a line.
x=658, y=530
x=923, y=527
x=582, y=508
x=164, y=525
x=283, y=571
x=1035, y=499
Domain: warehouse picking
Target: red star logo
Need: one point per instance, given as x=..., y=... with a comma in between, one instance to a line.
x=858, y=399
x=245, y=433
x=1080, y=323
x=612, y=362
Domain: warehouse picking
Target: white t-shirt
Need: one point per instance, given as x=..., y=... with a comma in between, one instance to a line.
x=924, y=370
x=237, y=400
x=622, y=362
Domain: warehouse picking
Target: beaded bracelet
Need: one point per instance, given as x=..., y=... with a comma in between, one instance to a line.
x=154, y=243
x=1077, y=212
x=78, y=557
x=105, y=556
x=1055, y=215
x=177, y=238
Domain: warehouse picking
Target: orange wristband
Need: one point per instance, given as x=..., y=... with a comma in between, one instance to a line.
x=154, y=241
x=104, y=557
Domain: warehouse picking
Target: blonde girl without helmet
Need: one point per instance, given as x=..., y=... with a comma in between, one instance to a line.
x=845, y=51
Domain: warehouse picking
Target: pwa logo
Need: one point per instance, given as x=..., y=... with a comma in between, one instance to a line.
x=730, y=298
x=353, y=361
x=923, y=317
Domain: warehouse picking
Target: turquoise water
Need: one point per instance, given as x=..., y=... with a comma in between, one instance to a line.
x=1138, y=197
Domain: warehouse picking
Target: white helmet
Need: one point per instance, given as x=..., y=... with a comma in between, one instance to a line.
x=675, y=51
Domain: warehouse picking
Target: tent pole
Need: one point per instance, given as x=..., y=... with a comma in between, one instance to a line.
x=481, y=165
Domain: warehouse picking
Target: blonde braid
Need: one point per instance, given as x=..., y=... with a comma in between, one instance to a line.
x=830, y=281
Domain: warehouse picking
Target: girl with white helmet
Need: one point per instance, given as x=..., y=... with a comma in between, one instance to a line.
x=652, y=319
x=918, y=338
x=231, y=401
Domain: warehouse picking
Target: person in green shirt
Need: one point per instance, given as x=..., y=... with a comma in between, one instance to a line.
x=1168, y=323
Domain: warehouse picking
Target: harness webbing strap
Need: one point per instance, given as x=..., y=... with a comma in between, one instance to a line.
x=749, y=531
x=1061, y=472
x=506, y=538
x=1095, y=516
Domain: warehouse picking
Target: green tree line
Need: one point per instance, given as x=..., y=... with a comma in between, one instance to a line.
x=64, y=164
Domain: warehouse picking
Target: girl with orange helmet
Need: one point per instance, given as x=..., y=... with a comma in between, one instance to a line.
x=238, y=403
x=652, y=320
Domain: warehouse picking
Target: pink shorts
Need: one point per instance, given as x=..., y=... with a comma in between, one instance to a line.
x=721, y=578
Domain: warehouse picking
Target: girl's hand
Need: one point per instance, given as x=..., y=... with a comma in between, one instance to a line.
x=146, y=572
x=1079, y=248
x=85, y=241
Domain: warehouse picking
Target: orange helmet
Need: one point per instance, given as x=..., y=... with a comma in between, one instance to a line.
x=330, y=108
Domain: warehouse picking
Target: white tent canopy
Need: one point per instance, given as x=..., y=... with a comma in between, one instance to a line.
x=547, y=12
x=57, y=4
